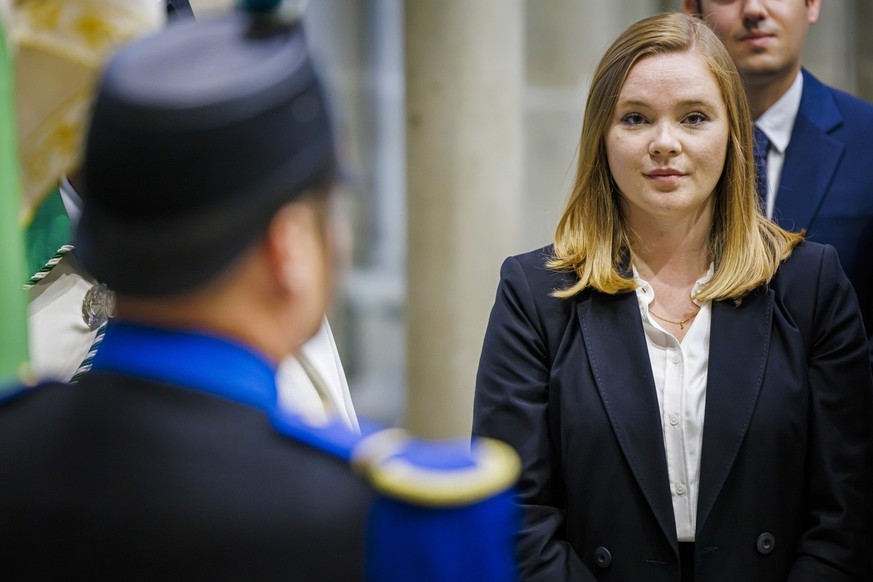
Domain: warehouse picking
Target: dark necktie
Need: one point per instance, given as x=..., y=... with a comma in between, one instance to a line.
x=762, y=146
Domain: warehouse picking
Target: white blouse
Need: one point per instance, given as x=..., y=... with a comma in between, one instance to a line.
x=680, y=373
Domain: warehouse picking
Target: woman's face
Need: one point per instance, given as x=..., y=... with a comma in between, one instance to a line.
x=667, y=141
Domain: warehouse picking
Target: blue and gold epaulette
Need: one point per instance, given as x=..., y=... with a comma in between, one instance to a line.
x=435, y=474
x=443, y=511
x=400, y=466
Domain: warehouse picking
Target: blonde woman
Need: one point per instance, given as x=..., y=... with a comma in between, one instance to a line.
x=687, y=383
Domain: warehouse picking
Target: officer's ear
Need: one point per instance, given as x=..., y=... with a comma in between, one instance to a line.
x=292, y=245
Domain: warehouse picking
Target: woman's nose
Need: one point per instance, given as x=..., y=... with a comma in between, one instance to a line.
x=664, y=141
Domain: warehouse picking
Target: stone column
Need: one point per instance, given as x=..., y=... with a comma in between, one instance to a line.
x=464, y=74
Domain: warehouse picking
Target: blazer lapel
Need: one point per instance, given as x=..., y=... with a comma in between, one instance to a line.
x=738, y=352
x=619, y=360
x=811, y=159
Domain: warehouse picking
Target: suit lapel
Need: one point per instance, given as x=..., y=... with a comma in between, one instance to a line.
x=811, y=159
x=738, y=351
x=619, y=359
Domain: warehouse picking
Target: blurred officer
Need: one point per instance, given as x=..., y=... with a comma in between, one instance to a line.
x=62, y=47
x=208, y=171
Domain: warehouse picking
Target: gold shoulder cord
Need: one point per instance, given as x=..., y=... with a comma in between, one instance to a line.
x=379, y=457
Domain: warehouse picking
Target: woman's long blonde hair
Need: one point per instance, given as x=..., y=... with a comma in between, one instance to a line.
x=593, y=238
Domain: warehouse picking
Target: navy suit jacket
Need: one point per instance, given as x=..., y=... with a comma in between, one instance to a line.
x=826, y=185
x=784, y=493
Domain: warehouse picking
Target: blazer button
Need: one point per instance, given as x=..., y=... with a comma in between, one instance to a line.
x=602, y=557
x=765, y=543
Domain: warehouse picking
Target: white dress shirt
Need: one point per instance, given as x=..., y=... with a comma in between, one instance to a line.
x=319, y=390
x=777, y=123
x=680, y=373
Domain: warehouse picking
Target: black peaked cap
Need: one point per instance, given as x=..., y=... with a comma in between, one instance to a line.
x=199, y=134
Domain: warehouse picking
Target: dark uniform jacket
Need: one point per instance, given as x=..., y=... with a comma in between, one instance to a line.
x=169, y=461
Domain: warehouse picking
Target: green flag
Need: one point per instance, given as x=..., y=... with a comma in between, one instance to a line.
x=13, y=299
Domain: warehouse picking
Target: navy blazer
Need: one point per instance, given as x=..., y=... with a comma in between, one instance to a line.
x=826, y=185
x=784, y=493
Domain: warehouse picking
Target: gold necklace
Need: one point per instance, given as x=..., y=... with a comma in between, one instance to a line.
x=681, y=324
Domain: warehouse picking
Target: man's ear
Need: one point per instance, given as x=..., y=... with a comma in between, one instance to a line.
x=692, y=7
x=287, y=245
x=813, y=9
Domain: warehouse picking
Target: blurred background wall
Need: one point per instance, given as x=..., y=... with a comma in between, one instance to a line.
x=458, y=122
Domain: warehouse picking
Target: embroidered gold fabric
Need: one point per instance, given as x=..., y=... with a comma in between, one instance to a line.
x=60, y=47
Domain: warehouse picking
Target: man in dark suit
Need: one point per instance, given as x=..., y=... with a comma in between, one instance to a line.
x=208, y=170
x=818, y=153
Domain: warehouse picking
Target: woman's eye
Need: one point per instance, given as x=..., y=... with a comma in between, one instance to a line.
x=695, y=118
x=633, y=119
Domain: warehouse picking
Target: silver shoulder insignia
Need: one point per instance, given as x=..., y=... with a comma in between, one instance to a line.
x=98, y=306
